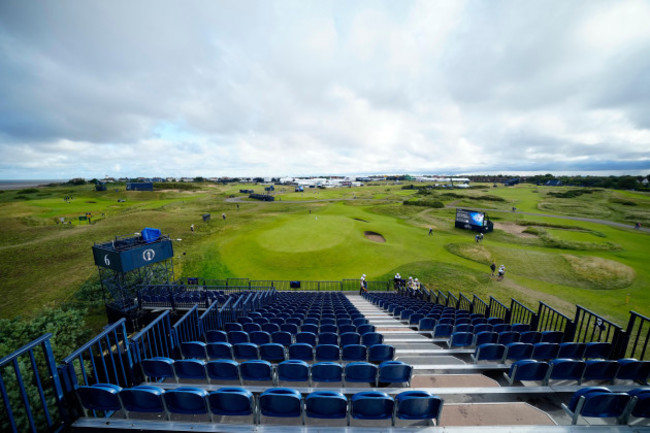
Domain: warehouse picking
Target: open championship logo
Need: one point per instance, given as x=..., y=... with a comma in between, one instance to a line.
x=148, y=255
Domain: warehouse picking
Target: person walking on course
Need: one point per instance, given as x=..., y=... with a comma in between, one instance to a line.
x=363, y=285
x=430, y=231
x=192, y=228
x=493, y=268
x=502, y=272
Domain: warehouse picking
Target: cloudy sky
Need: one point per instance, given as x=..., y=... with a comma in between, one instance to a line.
x=235, y=88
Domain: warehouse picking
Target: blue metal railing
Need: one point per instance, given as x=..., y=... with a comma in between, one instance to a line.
x=464, y=303
x=550, y=319
x=637, y=336
x=480, y=306
x=32, y=394
x=155, y=339
x=188, y=327
x=519, y=313
x=210, y=319
x=499, y=309
x=105, y=358
x=452, y=301
x=589, y=326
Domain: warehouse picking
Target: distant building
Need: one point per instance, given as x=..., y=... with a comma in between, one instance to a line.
x=139, y=186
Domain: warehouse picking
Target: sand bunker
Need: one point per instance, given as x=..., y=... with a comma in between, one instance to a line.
x=375, y=237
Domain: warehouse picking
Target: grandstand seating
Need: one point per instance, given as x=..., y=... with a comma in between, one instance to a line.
x=308, y=340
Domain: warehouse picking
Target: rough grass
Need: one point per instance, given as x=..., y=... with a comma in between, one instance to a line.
x=42, y=262
x=599, y=273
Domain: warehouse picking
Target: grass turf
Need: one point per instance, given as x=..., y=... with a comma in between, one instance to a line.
x=560, y=261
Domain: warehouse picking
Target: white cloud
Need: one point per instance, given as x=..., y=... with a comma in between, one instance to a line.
x=275, y=88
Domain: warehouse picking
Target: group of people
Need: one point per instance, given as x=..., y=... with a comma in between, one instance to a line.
x=500, y=274
x=478, y=237
x=411, y=283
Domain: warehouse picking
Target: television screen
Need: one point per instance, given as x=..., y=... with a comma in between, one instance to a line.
x=470, y=217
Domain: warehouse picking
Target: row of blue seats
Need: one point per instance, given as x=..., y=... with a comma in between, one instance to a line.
x=292, y=328
x=600, y=402
x=286, y=338
x=515, y=351
x=429, y=324
x=291, y=370
x=300, y=316
x=578, y=370
x=594, y=349
x=274, y=402
x=276, y=352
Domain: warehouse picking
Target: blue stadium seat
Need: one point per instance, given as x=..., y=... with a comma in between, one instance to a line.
x=527, y=369
x=427, y=324
x=328, y=338
x=350, y=338
x=531, y=337
x=544, y=351
x=272, y=352
x=633, y=369
x=252, y=327
x=326, y=405
x=257, y=370
x=484, y=337
x=489, y=352
x=327, y=372
x=190, y=369
x=381, y=352
x=220, y=350
x=461, y=339
x=235, y=337
x=270, y=327
x=294, y=370
x=223, y=369
x=354, y=352
x=232, y=401
x=245, y=351
x=310, y=328
x=306, y=337
x=418, y=405
x=361, y=372
x=518, y=351
x=328, y=352
x=502, y=327
x=186, y=400
x=102, y=397
x=280, y=402
x=483, y=327
x=521, y=327
x=233, y=326
x=371, y=405
x=260, y=337
x=193, y=350
x=158, y=368
x=143, y=399
x=598, y=369
x=552, y=337
x=566, y=369
x=364, y=327
x=641, y=404
x=597, y=402
x=572, y=350
x=282, y=337
x=507, y=337
x=216, y=336
x=329, y=328
x=394, y=372
x=598, y=350
x=301, y=351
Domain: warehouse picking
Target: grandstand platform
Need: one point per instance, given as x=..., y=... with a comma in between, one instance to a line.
x=334, y=361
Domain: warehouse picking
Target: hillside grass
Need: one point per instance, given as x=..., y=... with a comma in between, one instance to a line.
x=319, y=235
